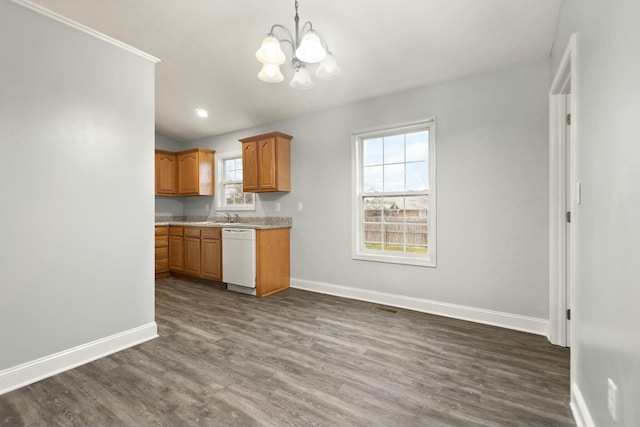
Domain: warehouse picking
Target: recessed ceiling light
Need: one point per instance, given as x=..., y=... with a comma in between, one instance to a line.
x=201, y=112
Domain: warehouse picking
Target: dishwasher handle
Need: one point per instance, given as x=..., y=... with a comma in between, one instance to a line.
x=234, y=233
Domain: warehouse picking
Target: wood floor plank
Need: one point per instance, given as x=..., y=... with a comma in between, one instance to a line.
x=298, y=358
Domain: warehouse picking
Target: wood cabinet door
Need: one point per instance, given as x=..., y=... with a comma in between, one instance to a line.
x=165, y=174
x=267, y=164
x=212, y=259
x=192, y=256
x=176, y=253
x=273, y=261
x=249, y=167
x=188, y=173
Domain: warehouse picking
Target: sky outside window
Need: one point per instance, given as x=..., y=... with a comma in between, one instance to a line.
x=396, y=163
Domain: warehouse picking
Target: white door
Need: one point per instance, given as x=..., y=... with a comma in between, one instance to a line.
x=569, y=203
x=563, y=197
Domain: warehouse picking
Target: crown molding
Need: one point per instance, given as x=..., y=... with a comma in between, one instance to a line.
x=78, y=26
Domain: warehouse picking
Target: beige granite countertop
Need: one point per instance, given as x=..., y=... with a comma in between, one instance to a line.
x=258, y=223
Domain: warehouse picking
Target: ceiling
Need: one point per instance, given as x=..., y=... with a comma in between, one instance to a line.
x=207, y=49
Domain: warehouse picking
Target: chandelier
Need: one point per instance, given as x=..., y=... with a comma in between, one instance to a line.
x=307, y=47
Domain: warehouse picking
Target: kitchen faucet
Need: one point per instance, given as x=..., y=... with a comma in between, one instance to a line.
x=225, y=214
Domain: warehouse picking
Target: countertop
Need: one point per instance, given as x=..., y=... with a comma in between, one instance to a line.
x=254, y=223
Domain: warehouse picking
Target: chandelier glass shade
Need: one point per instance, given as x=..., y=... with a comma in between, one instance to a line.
x=307, y=48
x=270, y=52
x=311, y=49
x=301, y=79
x=328, y=69
x=270, y=73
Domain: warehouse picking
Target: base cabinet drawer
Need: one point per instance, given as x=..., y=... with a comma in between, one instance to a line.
x=162, y=265
x=162, y=250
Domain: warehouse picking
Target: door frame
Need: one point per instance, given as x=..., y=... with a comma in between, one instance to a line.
x=561, y=277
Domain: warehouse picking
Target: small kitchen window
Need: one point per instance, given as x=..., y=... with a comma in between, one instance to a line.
x=394, y=194
x=229, y=178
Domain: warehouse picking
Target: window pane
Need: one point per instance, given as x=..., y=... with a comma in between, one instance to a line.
x=394, y=237
x=373, y=236
x=416, y=236
x=372, y=178
x=248, y=198
x=229, y=194
x=393, y=208
x=417, y=176
x=373, y=209
x=238, y=196
x=416, y=207
x=394, y=149
x=228, y=170
x=405, y=224
x=232, y=170
x=415, y=213
x=394, y=177
x=417, y=146
x=372, y=152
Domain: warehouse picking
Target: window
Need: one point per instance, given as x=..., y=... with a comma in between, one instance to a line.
x=229, y=191
x=394, y=194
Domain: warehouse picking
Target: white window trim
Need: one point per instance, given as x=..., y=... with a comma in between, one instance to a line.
x=357, y=253
x=220, y=158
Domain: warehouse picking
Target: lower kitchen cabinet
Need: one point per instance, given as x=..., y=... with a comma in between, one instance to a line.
x=176, y=249
x=192, y=251
x=212, y=254
x=273, y=271
x=197, y=252
x=162, y=251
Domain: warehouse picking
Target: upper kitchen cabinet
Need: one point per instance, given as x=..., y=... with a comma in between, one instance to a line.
x=266, y=163
x=195, y=172
x=165, y=173
x=186, y=173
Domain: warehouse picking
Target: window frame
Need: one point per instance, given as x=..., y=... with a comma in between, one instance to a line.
x=359, y=252
x=220, y=184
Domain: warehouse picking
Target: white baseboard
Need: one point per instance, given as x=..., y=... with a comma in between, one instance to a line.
x=478, y=315
x=39, y=369
x=579, y=408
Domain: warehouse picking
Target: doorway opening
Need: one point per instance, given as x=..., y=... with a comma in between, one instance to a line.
x=564, y=195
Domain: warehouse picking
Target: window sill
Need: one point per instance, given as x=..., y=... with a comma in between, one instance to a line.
x=421, y=262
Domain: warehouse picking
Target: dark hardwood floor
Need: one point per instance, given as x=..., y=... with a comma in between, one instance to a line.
x=298, y=358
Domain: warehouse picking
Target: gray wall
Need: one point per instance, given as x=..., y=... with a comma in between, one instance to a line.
x=164, y=142
x=492, y=191
x=76, y=132
x=607, y=318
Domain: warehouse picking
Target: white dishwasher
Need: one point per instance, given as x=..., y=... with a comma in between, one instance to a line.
x=239, y=259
